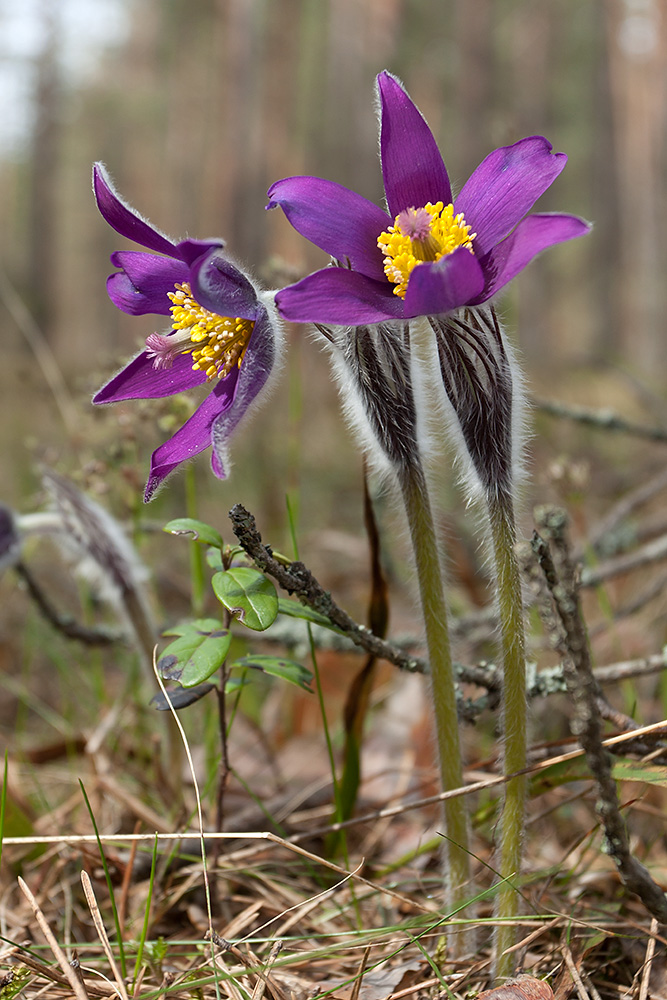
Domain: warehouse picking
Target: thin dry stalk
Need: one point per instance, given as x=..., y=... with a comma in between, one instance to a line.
x=53, y=975
x=574, y=972
x=195, y=785
x=60, y=956
x=101, y=932
x=262, y=981
x=304, y=907
x=254, y=966
x=648, y=961
x=360, y=975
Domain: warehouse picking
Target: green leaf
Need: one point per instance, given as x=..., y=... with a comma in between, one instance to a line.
x=196, y=654
x=632, y=770
x=200, y=531
x=287, y=670
x=296, y=610
x=198, y=624
x=179, y=698
x=247, y=594
x=214, y=559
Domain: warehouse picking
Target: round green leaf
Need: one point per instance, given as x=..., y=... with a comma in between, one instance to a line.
x=200, y=531
x=247, y=594
x=296, y=610
x=198, y=625
x=277, y=666
x=195, y=655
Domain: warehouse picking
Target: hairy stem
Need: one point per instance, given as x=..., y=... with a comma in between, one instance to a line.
x=429, y=575
x=510, y=611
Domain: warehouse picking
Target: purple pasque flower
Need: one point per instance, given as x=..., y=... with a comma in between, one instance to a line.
x=222, y=331
x=430, y=253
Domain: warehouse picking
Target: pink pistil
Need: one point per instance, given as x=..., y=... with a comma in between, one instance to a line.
x=415, y=223
x=162, y=349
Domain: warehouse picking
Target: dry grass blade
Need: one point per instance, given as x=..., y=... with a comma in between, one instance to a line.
x=302, y=908
x=60, y=956
x=101, y=931
x=648, y=961
x=53, y=975
x=360, y=975
x=259, y=970
x=574, y=972
x=263, y=978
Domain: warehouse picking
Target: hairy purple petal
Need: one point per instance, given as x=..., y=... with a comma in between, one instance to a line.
x=253, y=375
x=412, y=167
x=140, y=380
x=505, y=185
x=446, y=284
x=533, y=234
x=126, y=220
x=193, y=437
x=336, y=295
x=340, y=222
x=190, y=251
x=221, y=288
x=142, y=284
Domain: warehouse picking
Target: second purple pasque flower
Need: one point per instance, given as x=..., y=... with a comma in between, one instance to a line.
x=222, y=331
x=430, y=253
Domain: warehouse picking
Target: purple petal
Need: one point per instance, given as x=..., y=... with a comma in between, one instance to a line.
x=531, y=236
x=255, y=370
x=336, y=295
x=505, y=186
x=193, y=437
x=337, y=220
x=124, y=219
x=144, y=281
x=412, y=167
x=221, y=288
x=446, y=284
x=190, y=251
x=140, y=380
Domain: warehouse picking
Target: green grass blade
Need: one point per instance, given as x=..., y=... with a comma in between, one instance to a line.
x=112, y=898
x=147, y=914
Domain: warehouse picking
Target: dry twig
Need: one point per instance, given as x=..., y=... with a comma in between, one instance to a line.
x=578, y=672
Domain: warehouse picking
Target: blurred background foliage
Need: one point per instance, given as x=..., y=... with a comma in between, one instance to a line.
x=197, y=107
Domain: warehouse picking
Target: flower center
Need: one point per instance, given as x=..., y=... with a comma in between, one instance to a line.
x=216, y=343
x=418, y=235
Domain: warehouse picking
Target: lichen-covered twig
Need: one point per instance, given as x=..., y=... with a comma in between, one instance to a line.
x=298, y=580
x=603, y=419
x=559, y=575
x=653, y=551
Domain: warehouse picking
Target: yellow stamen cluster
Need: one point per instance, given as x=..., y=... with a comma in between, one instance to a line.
x=217, y=342
x=443, y=233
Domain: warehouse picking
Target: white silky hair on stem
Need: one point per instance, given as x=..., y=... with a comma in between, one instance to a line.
x=383, y=407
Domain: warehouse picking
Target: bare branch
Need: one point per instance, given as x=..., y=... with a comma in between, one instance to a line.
x=559, y=575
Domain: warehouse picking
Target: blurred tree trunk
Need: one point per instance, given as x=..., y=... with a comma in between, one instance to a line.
x=475, y=75
x=604, y=198
x=638, y=75
x=42, y=267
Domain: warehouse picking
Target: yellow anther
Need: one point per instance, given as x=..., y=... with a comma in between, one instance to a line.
x=217, y=343
x=419, y=235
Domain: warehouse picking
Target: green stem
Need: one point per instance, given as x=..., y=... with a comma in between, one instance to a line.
x=510, y=608
x=197, y=557
x=429, y=574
